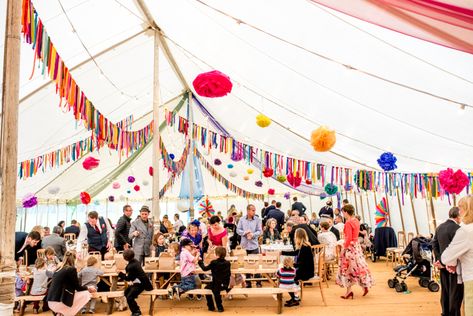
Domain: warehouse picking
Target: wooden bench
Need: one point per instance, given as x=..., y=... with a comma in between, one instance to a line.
x=262, y=291
x=26, y=299
x=153, y=294
x=106, y=295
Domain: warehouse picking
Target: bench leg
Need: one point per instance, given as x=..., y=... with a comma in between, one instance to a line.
x=22, y=308
x=111, y=302
x=279, y=296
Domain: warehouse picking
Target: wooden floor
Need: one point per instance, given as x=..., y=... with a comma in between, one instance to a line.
x=381, y=300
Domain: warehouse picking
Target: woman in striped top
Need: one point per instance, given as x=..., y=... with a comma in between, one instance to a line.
x=286, y=275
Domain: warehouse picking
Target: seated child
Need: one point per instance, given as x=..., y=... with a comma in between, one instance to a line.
x=52, y=260
x=221, y=271
x=40, y=283
x=188, y=258
x=135, y=274
x=173, y=250
x=286, y=275
x=159, y=244
x=88, y=277
x=20, y=287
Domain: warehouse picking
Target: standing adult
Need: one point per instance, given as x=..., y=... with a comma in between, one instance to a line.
x=96, y=233
x=269, y=208
x=141, y=234
x=24, y=242
x=298, y=206
x=326, y=211
x=278, y=215
x=73, y=229
x=65, y=295
x=62, y=224
x=122, y=241
x=178, y=223
x=250, y=228
x=217, y=234
x=56, y=242
x=452, y=292
x=353, y=267
x=263, y=210
x=461, y=250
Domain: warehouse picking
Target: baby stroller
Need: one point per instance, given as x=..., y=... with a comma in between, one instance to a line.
x=418, y=263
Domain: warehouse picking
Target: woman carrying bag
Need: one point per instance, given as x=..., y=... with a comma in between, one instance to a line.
x=66, y=296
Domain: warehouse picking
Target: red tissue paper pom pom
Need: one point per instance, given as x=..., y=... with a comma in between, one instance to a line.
x=85, y=198
x=268, y=172
x=90, y=163
x=136, y=188
x=271, y=191
x=308, y=181
x=453, y=182
x=212, y=84
x=295, y=181
x=150, y=170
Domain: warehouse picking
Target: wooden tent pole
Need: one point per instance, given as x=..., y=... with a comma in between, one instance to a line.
x=191, y=158
x=47, y=214
x=356, y=203
x=362, y=208
x=9, y=152
x=368, y=206
x=156, y=134
x=389, y=210
x=402, y=216
x=454, y=199
x=310, y=205
x=414, y=214
x=432, y=210
x=25, y=210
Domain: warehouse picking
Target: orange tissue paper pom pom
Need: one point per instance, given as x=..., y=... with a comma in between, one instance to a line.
x=323, y=139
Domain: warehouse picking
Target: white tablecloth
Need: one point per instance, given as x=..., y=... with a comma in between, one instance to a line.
x=276, y=247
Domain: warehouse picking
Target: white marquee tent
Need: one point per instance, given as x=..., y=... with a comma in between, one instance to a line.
x=301, y=64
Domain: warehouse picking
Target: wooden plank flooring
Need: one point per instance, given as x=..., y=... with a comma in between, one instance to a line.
x=381, y=300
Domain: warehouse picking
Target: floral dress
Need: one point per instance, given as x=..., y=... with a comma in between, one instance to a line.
x=353, y=266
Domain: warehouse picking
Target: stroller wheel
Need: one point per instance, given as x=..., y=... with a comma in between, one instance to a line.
x=433, y=286
x=398, y=287
x=404, y=286
x=392, y=283
x=424, y=282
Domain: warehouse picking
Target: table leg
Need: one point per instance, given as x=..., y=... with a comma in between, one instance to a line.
x=114, y=281
x=270, y=279
x=151, y=305
x=165, y=284
x=279, y=296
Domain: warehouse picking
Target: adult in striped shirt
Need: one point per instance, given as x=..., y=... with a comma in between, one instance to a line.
x=286, y=275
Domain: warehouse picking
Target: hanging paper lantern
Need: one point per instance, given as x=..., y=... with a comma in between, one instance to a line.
x=259, y=184
x=29, y=200
x=111, y=198
x=281, y=178
x=145, y=183
x=53, y=190
x=308, y=181
x=246, y=178
x=90, y=163
x=230, y=166
x=453, y=182
x=183, y=205
x=122, y=198
x=171, y=156
x=287, y=195
x=387, y=161
x=262, y=120
x=249, y=171
x=212, y=84
x=323, y=139
x=150, y=171
x=323, y=195
x=116, y=185
x=96, y=202
x=331, y=189
x=381, y=214
x=205, y=208
x=217, y=162
x=271, y=191
x=294, y=180
x=233, y=174
x=348, y=186
x=268, y=172
x=85, y=198
x=131, y=179
x=136, y=188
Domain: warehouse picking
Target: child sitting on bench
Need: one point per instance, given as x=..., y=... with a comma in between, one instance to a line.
x=188, y=258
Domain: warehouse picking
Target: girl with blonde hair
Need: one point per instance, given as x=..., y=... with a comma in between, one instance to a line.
x=460, y=251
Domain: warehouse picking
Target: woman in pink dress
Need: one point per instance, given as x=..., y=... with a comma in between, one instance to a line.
x=353, y=266
x=216, y=233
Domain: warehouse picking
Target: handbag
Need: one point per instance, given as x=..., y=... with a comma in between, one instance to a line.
x=67, y=297
x=269, y=262
x=120, y=262
x=109, y=266
x=240, y=253
x=166, y=261
x=233, y=262
x=251, y=262
x=151, y=263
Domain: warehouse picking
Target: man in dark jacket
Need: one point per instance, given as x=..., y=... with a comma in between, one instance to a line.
x=25, y=241
x=278, y=215
x=452, y=292
x=96, y=233
x=327, y=210
x=269, y=208
x=134, y=272
x=73, y=229
x=122, y=240
x=221, y=271
x=56, y=242
x=311, y=234
x=298, y=206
